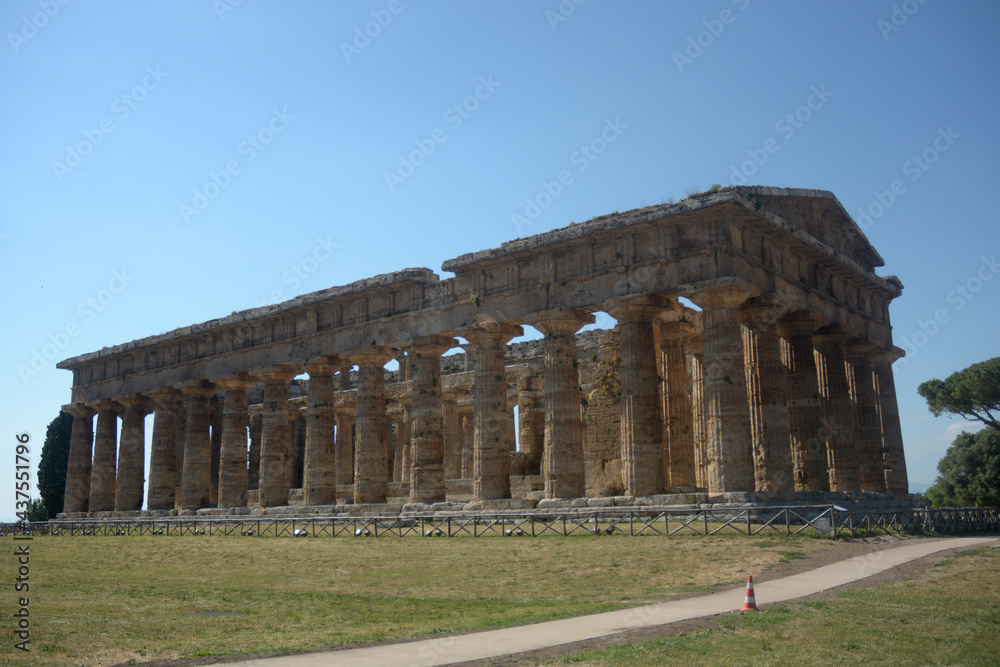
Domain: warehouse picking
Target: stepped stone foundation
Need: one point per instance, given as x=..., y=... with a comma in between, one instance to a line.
x=751, y=363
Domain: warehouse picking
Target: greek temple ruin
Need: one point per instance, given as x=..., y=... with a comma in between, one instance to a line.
x=752, y=355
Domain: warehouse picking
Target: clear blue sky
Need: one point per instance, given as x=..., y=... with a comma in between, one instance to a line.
x=118, y=113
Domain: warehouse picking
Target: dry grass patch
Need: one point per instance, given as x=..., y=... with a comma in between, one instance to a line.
x=105, y=600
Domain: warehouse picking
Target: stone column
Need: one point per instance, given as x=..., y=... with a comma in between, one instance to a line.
x=297, y=429
x=427, y=472
x=727, y=412
x=233, y=477
x=641, y=422
x=132, y=453
x=81, y=445
x=404, y=431
x=371, y=467
x=468, y=416
x=196, y=477
x=451, y=429
x=491, y=446
x=319, y=485
x=256, y=434
x=344, y=467
x=894, y=460
x=562, y=463
x=678, y=412
x=179, y=443
x=838, y=413
x=102, y=474
x=697, y=379
x=867, y=430
x=217, y=410
x=768, y=395
x=163, y=452
x=531, y=421
x=805, y=416
x=276, y=437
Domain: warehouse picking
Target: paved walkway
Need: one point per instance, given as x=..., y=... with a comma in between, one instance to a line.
x=494, y=643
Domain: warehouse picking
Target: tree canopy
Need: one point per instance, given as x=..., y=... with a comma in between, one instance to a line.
x=969, y=472
x=972, y=393
x=53, y=463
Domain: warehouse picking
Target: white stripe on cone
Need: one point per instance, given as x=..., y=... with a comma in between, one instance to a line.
x=749, y=603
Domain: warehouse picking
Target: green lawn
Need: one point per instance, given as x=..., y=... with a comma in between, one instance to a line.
x=106, y=600
x=950, y=617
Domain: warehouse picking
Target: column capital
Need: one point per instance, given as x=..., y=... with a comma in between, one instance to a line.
x=491, y=333
x=376, y=355
x=136, y=403
x=430, y=345
x=888, y=355
x=236, y=381
x=106, y=405
x=79, y=410
x=277, y=373
x=801, y=322
x=834, y=335
x=728, y=294
x=861, y=346
x=637, y=307
x=196, y=388
x=326, y=368
x=564, y=321
x=677, y=332
x=765, y=309
x=165, y=397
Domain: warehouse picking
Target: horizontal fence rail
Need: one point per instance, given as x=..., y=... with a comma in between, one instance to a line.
x=824, y=520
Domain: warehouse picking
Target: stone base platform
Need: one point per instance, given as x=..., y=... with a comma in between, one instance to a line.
x=737, y=502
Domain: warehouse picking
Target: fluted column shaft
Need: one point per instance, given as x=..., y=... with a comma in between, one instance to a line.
x=805, y=416
x=196, y=477
x=838, y=413
x=132, y=454
x=727, y=413
x=697, y=379
x=345, y=442
x=451, y=430
x=467, y=415
x=562, y=459
x=867, y=431
x=427, y=449
x=371, y=467
x=163, y=452
x=894, y=460
x=319, y=484
x=256, y=435
x=678, y=413
x=233, y=477
x=641, y=421
x=276, y=438
x=217, y=407
x=102, y=474
x=81, y=445
x=491, y=445
x=768, y=394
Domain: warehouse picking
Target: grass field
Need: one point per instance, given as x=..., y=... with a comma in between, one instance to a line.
x=950, y=618
x=106, y=600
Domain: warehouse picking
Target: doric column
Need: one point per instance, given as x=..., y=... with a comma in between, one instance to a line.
x=297, y=429
x=451, y=429
x=768, y=395
x=319, y=484
x=727, y=412
x=427, y=470
x=233, y=478
x=102, y=473
x=196, y=477
x=696, y=374
x=867, y=431
x=371, y=467
x=132, y=453
x=678, y=413
x=562, y=462
x=467, y=414
x=181, y=436
x=256, y=435
x=276, y=437
x=838, y=414
x=894, y=460
x=805, y=415
x=641, y=422
x=345, y=410
x=491, y=445
x=163, y=451
x=531, y=420
x=81, y=445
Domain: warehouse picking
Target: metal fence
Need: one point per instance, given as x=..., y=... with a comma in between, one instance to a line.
x=825, y=520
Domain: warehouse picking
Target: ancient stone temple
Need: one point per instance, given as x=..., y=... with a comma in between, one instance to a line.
x=752, y=353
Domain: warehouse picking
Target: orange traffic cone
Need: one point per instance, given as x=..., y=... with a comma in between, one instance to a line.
x=749, y=604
